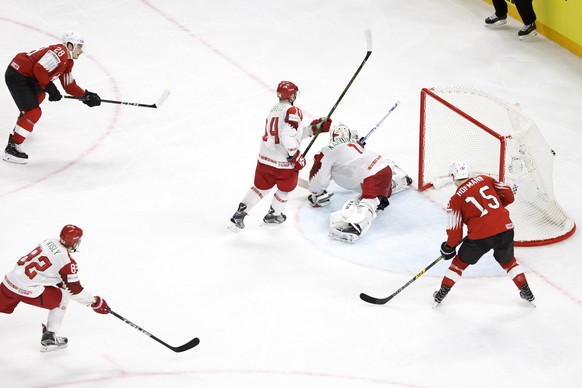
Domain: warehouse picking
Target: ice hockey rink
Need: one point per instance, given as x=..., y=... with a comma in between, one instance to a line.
x=153, y=190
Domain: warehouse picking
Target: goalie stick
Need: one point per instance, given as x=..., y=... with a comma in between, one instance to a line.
x=363, y=139
x=157, y=104
x=373, y=300
x=177, y=349
x=368, y=53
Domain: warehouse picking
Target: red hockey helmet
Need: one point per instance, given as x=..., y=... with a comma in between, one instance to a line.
x=286, y=89
x=71, y=236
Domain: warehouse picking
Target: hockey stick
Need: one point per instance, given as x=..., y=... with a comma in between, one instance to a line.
x=158, y=103
x=363, y=139
x=302, y=183
x=368, y=53
x=371, y=299
x=176, y=349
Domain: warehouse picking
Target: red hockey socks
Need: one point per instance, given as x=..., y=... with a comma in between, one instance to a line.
x=454, y=273
x=25, y=124
x=514, y=271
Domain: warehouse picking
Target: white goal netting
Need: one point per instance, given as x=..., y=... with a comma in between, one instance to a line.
x=497, y=139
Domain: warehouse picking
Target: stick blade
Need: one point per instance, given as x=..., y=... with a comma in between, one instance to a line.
x=369, y=39
x=186, y=346
x=162, y=98
x=372, y=300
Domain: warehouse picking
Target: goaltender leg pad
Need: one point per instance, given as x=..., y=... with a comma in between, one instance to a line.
x=400, y=178
x=353, y=221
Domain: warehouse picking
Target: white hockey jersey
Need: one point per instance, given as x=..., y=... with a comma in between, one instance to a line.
x=283, y=135
x=49, y=264
x=347, y=163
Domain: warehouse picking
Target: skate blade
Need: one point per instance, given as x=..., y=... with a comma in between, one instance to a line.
x=52, y=348
x=270, y=224
x=233, y=228
x=496, y=25
x=528, y=36
x=14, y=159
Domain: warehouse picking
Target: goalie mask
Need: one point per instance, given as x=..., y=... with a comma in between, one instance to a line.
x=340, y=131
x=459, y=170
x=71, y=237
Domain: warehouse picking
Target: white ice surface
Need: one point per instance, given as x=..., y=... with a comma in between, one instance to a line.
x=153, y=190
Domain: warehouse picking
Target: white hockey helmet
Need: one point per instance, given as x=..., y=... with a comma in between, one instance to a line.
x=340, y=131
x=459, y=170
x=73, y=38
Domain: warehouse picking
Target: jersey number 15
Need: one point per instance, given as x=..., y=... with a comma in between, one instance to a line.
x=490, y=200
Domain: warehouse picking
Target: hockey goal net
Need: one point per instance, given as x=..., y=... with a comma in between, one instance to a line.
x=497, y=139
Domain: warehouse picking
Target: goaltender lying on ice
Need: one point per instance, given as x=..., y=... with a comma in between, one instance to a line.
x=346, y=161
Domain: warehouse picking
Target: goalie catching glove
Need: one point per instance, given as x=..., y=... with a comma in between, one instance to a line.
x=320, y=200
x=447, y=252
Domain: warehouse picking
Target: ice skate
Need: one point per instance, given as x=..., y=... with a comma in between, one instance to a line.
x=526, y=294
x=51, y=342
x=237, y=220
x=13, y=153
x=440, y=295
x=272, y=218
x=528, y=31
x=495, y=21
x=384, y=203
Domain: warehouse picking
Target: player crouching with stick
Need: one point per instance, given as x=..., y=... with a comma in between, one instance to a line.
x=47, y=277
x=479, y=202
x=351, y=166
x=30, y=77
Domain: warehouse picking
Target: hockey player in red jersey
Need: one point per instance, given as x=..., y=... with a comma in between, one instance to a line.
x=47, y=277
x=479, y=203
x=280, y=159
x=345, y=161
x=30, y=77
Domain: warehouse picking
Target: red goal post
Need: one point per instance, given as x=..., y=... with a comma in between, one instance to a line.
x=494, y=138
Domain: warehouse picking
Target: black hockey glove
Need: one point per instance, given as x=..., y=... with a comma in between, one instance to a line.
x=91, y=99
x=53, y=92
x=447, y=252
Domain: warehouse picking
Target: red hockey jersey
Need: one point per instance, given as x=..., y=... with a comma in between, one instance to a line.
x=480, y=204
x=47, y=64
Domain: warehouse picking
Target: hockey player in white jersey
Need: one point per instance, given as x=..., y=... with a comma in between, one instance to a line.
x=280, y=159
x=47, y=277
x=345, y=161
